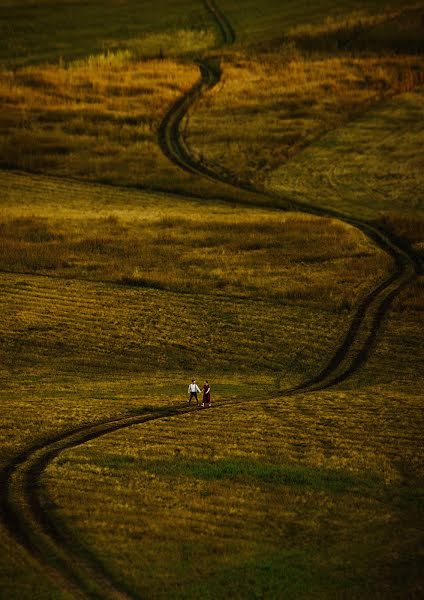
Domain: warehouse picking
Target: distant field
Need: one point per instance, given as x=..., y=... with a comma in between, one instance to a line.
x=96, y=118
x=34, y=32
x=124, y=276
x=265, y=21
x=368, y=175
x=268, y=111
x=278, y=98
x=39, y=32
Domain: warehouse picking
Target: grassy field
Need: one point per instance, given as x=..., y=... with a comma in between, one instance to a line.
x=247, y=513
x=122, y=277
x=88, y=105
x=288, y=103
x=240, y=499
x=81, y=342
x=231, y=281
x=185, y=247
x=271, y=20
x=374, y=175
x=96, y=117
x=33, y=33
x=277, y=98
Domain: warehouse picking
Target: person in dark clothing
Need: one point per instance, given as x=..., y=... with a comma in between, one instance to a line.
x=206, y=400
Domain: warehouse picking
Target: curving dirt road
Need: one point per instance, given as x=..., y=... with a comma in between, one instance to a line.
x=23, y=509
x=24, y=513
x=364, y=325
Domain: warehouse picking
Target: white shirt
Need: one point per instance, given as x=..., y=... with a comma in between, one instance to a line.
x=193, y=387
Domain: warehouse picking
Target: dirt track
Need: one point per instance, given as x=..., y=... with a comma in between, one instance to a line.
x=22, y=509
x=363, y=328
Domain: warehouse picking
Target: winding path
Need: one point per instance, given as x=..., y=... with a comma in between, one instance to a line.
x=22, y=505
x=358, y=340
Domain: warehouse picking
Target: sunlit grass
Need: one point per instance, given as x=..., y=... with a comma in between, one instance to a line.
x=95, y=119
x=287, y=102
x=168, y=269
x=277, y=257
x=113, y=299
x=376, y=176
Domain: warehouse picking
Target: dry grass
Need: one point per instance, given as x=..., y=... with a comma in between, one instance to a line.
x=261, y=254
x=278, y=97
x=288, y=102
x=97, y=118
x=240, y=497
x=94, y=119
x=307, y=496
x=264, y=272
x=375, y=176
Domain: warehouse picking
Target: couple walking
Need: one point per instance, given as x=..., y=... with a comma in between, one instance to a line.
x=193, y=390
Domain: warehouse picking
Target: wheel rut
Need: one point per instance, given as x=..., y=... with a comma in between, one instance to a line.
x=25, y=514
x=23, y=507
x=364, y=325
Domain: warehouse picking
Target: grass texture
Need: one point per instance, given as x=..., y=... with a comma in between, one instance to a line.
x=113, y=297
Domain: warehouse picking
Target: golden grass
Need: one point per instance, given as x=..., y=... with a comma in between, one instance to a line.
x=262, y=272
x=372, y=167
x=260, y=254
x=287, y=102
x=306, y=496
x=242, y=496
x=173, y=43
x=96, y=118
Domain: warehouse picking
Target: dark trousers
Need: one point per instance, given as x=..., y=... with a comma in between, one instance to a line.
x=193, y=395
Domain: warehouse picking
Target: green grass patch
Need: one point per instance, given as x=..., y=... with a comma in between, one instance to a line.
x=251, y=472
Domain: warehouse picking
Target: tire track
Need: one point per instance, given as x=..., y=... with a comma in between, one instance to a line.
x=24, y=509
x=361, y=334
x=24, y=513
x=22, y=505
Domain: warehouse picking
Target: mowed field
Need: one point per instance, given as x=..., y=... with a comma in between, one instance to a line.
x=124, y=276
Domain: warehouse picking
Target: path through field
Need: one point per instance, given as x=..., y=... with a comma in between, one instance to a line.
x=21, y=507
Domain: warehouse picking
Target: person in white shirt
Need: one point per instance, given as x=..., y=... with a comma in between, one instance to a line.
x=193, y=390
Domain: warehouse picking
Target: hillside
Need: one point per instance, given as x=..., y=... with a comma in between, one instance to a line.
x=233, y=194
